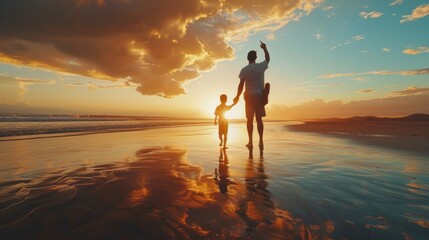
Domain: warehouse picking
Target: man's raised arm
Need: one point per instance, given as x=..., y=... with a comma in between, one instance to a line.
x=267, y=54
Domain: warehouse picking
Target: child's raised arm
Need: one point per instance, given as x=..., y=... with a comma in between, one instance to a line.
x=233, y=104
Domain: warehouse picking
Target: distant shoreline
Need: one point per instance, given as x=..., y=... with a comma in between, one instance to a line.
x=395, y=133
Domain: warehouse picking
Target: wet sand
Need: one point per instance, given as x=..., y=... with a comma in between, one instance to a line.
x=405, y=135
x=177, y=183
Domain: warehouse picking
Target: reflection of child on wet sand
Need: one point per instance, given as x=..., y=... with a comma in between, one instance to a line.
x=222, y=175
x=223, y=121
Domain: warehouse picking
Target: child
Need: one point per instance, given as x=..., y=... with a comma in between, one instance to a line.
x=223, y=122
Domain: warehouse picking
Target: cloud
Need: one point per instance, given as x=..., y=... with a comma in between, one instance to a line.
x=158, y=45
x=33, y=81
x=419, y=50
x=348, y=42
x=319, y=36
x=100, y=85
x=366, y=91
x=419, y=12
x=360, y=79
x=271, y=36
x=329, y=11
x=373, y=14
x=10, y=79
x=412, y=90
x=358, y=37
x=319, y=108
x=396, y=2
x=336, y=75
x=386, y=50
x=23, y=84
x=308, y=86
x=381, y=72
x=328, y=8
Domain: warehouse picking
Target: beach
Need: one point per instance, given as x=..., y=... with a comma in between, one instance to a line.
x=176, y=183
x=410, y=136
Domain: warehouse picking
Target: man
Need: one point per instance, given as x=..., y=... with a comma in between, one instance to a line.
x=252, y=78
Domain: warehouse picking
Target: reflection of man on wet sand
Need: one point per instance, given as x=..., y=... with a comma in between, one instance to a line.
x=257, y=207
x=255, y=95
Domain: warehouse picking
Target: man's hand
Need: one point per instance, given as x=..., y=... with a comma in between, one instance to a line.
x=215, y=123
x=236, y=100
x=263, y=45
x=267, y=55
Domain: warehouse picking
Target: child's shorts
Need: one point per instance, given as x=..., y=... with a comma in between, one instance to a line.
x=223, y=127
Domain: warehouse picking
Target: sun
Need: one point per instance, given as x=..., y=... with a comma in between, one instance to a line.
x=237, y=112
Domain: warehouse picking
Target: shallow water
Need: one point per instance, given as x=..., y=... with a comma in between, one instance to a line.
x=36, y=126
x=177, y=183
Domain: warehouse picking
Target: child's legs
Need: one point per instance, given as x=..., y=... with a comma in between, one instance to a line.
x=222, y=130
x=225, y=134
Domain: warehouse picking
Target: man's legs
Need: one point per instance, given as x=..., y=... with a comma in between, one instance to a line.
x=260, y=126
x=250, y=131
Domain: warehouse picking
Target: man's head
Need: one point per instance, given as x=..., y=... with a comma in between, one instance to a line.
x=251, y=56
x=223, y=98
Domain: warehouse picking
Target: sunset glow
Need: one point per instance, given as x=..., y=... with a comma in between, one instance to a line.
x=329, y=57
x=214, y=119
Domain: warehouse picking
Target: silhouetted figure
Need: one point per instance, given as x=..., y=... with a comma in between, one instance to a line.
x=255, y=95
x=222, y=175
x=220, y=111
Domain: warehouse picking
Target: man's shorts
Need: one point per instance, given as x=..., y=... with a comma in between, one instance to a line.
x=254, y=106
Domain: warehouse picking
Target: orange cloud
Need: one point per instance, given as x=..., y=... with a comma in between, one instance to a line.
x=419, y=12
x=389, y=106
x=158, y=45
x=419, y=50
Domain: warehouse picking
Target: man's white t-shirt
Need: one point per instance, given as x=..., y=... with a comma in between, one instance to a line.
x=253, y=75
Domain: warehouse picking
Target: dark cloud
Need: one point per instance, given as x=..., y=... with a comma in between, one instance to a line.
x=157, y=44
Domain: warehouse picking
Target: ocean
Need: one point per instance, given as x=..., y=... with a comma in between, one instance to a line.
x=32, y=124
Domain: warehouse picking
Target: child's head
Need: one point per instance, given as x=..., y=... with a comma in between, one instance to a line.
x=223, y=98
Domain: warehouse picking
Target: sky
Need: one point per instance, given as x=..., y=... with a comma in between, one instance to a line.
x=329, y=58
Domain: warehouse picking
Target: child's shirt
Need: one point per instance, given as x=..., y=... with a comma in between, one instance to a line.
x=221, y=110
